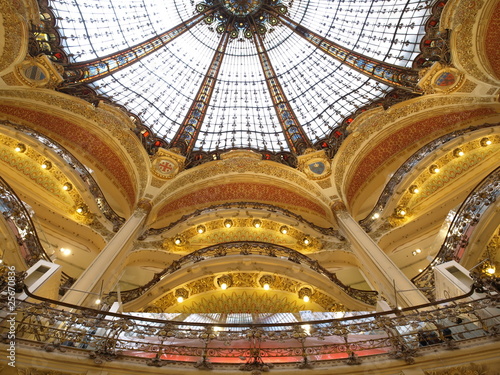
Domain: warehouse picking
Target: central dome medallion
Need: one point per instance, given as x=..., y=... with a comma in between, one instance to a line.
x=243, y=18
x=241, y=8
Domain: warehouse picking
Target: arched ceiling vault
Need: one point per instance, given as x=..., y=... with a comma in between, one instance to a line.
x=109, y=148
x=243, y=178
x=373, y=151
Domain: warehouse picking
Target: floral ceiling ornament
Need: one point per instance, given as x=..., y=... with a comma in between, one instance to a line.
x=243, y=17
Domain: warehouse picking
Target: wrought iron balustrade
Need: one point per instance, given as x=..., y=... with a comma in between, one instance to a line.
x=247, y=205
x=398, y=176
x=462, y=227
x=18, y=218
x=401, y=334
x=250, y=248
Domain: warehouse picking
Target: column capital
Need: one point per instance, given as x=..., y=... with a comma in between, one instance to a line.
x=144, y=206
x=338, y=206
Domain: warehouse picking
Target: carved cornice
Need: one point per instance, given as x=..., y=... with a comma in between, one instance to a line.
x=248, y=249
x=409, y=165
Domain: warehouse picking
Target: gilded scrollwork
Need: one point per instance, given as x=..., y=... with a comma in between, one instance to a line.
x=12, y=23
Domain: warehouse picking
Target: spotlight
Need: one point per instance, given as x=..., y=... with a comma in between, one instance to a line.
x=98, y=301
x=181, y=294
x=305, y=294
x=200, y=229
x=46, y=165
x=67, y=186
x=81, y=209
x=458, y=152
x=376, y=215
x=266, y=281
x=284, y=229
x=401, y=211
x=257, y=223
x=225, y=281
x=485, y=142
x=491, y=269
x=178, y=241
x=434, y=169
x=20, y=147
x=413, y=189
x=418, y=251
x=65, y=251
x=228, y=223
x=306, y=241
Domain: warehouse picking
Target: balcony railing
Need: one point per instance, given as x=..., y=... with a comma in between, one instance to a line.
x=461, y=229
x=77, y=166
x=388, y=192
x=250, y=248
x=255, y=344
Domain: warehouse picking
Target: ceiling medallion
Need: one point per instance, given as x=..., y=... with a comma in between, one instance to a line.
x=243, y=17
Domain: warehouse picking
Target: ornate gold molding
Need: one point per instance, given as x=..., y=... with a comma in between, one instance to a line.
x=373, y=122
x=39, y=72
x=16, y=30
x=240, y=163
x=315, y=165
x=105, y=116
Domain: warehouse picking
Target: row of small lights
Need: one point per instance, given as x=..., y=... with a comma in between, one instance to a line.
x=433, y=169
x=225, y=282
x=46, y=165
x=228, y=223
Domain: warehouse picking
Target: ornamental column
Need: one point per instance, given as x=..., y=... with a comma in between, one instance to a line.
x=108, y=265
x=383, y=274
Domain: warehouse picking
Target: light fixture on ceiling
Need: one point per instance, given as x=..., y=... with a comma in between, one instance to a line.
x=266, y=281
x=401, y=211
x=257, y=223
x=228, y=223
x=225, y=281
x=376, y=215
x=414, y=189
x=20, y=147
x=67, y=186
x=485, y=142
x=178, y=241
x=81, y=210
x=46, y=165
x=305, y=294
x=284, y=229
x=306, y=241
x=181, y=294
x=490, y=269
x=201, y=229
x=65, y=251
x=458, y=152
x=434, y=169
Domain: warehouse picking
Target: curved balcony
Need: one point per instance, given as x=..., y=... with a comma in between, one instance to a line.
x=256, y=343
x=256, y=249
x=462, y=228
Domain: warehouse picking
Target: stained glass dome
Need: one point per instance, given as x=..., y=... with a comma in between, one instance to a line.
x=263, y=90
